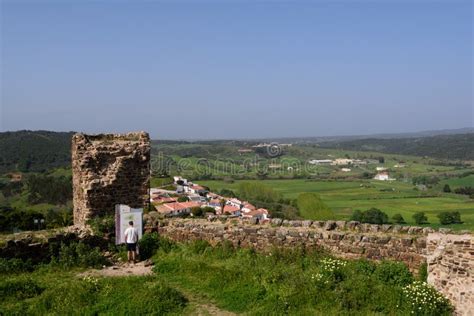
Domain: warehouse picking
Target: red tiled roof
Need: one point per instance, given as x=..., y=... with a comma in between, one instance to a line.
x=231, y=209
x=249, y=206
x=163, y=199
x=190, y=204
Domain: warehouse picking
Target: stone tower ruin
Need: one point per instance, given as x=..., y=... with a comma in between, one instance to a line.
x=109, y=169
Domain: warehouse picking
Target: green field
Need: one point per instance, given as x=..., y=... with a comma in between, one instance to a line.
x=391, y=197
x=460, y=182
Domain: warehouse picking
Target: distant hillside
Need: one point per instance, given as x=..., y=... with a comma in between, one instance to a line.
x=460, y=146
x=34, y=150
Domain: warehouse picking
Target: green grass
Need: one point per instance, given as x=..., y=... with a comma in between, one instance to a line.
x=459, y=182
x=188, y=278
x=285, y=282
x=59, y=292
x=391, y=197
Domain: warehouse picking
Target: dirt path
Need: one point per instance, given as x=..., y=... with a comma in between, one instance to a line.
x=121, y=269
x=199, y=306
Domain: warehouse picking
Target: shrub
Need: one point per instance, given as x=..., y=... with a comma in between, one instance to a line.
x=166, y=245
x=357, y=215
x=447, y=188
x=464, y=190
x=446, y=218
x=208, y=209
x=183, y=199
x=330, y=271
x=425, y=300
x=199, y=246
x=371, y=216
x=102, y=226
x=394, y=273
x=420, y=218
x=15, y=265
x=19, y=288
x=398, y=219
x=148, y=245
x=423, y=272
x=364, y=266
x=78, y=255
x=197, y=211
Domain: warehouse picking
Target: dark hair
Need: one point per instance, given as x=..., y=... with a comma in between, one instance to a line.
x=130, y=223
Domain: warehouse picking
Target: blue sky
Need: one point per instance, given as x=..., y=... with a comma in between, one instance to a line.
x=237, y=69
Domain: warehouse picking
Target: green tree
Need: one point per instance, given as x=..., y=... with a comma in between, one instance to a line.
x=183, y=199
x=357, y=216
x=375, y=216
x=197, y=211
x=398, y=219
x=420, y=218
x=447, y=188
x=446, y=218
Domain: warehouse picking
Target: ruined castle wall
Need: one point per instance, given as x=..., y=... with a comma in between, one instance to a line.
x=109, y=169
x=450, y=257
x=345, y=239
x=450, y=261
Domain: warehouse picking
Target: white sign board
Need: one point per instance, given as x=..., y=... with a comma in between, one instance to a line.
x=123, y=215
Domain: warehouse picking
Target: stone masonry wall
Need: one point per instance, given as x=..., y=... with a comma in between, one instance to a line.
x=109, y=169
x=451, y=268
x=450, y=257
x=344, y=239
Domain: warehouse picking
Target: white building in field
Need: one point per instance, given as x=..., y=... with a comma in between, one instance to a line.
x=320, y=162
x=342, y=162
x=345, y=169
x=383, y=176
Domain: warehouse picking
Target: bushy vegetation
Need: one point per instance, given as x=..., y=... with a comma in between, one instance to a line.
x=48, y=292
x=49, y=189
x=102, y=225
x=36, y=151
x=371, y=216
x=78, y=254
x=465, y=190
x=446, y=218
x=398, y=219
x=15, y=265
x=294, y=282
x=148, y=245
x=420, y=218
x=282, y=282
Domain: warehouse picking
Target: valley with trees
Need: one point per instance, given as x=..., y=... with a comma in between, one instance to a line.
x=285, y=183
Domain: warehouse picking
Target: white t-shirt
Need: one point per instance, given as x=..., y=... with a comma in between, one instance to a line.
x=131, y=235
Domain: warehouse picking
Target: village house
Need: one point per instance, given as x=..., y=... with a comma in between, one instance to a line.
x=244, y=150
x=345, y=169
x=383, y=176
x=232, y=210
x=261, y=214
x=320, y=162
x=176, y=208
x=235, y=202
x=162, y=199
x=342, y=162
x=180, y=180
